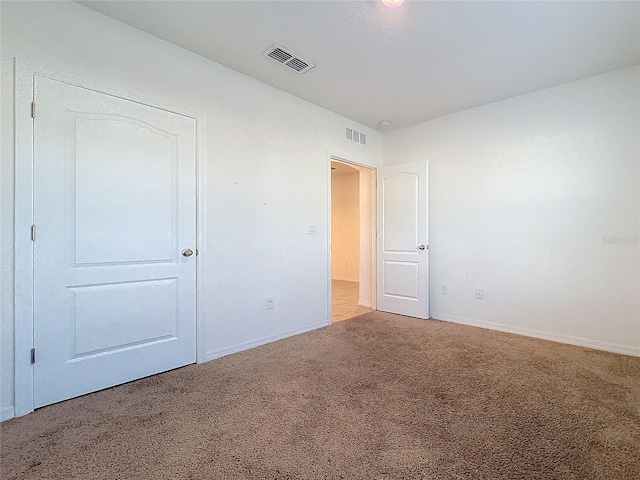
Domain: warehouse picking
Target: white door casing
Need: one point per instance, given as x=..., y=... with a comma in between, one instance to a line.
x=114, y=204
x=403, y=255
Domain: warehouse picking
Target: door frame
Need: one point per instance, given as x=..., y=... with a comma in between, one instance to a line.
x=24, y=82
x=374, y=227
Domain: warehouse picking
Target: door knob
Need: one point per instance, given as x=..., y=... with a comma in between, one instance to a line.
x=187, y=252
x=421, y=247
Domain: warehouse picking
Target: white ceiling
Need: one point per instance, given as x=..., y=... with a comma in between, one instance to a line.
x=421, y=61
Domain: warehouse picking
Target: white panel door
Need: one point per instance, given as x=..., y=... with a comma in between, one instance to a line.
x=114, y=206
x=403, y=244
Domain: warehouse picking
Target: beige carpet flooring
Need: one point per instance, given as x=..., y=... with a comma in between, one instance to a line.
x=377, y=397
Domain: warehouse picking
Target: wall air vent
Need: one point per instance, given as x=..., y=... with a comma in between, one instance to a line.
x=355, y=136
x=288, y=59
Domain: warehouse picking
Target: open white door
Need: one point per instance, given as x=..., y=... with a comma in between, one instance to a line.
x=403, y=248
x=115, y=228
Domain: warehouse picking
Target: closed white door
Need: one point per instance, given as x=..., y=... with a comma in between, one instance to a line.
x=114, y=206
x=403, y=244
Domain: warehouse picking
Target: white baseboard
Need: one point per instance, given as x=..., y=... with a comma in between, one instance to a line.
x=7, y=413
x=364, y=303
x=222, y=352
x=554, y=337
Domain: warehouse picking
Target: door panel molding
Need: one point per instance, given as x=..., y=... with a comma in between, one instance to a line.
x=123, y=193
x=403, y=259
x=24, y=82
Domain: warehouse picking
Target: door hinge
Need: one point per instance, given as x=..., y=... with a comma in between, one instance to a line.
x=33, y=233
x=33, y=109
x=33, y=356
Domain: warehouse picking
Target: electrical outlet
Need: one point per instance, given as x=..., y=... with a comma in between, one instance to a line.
x=445, y=289
x=270, y=303
x=479, y=293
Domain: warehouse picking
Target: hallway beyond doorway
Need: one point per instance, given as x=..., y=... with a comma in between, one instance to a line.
x=345, y=301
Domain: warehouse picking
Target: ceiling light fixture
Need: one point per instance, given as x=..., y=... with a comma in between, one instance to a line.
x=384, y=123
x=393, y=3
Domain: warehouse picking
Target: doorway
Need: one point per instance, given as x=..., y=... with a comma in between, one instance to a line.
x=352, y=234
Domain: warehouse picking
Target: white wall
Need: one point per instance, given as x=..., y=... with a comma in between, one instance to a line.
x=257, y=244
x=345, y=227
x=525, y=197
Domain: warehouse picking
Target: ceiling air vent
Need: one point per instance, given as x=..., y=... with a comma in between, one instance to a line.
x=288, y=59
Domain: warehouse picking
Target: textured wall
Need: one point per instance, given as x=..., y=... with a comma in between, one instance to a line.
x=536, y=199
x=266, y=158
